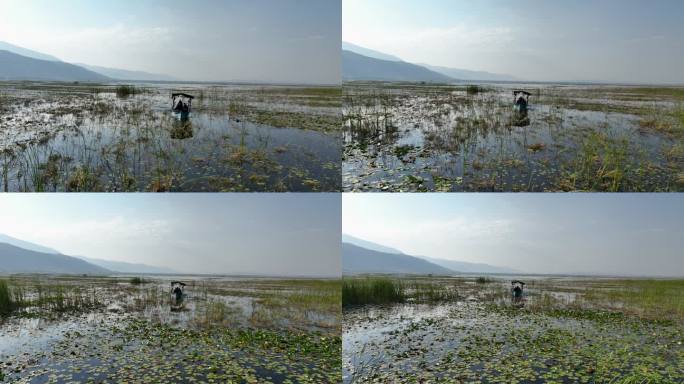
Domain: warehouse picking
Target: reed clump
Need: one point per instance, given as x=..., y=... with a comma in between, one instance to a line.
x=125, y=90
x=372, y=291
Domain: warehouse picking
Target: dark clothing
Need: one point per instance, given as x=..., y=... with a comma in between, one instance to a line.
x=179, y=293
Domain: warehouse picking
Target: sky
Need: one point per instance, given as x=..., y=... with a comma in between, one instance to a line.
x=288, y=41
x=216, y=233
x=630, y=41
x=610, y=234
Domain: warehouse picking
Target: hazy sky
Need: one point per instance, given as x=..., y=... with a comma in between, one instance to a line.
x=295, y=41
x=599, y=40
x=261, y=233
x=624, y=234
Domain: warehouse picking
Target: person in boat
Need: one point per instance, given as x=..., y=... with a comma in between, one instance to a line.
x=521, y=99
x=181, y=102
x=517, y=290
x=177, y=291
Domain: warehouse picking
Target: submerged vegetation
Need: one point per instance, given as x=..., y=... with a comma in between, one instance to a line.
x=66, y=329
x=413, y=137
x=564, y=330
x=73, y=137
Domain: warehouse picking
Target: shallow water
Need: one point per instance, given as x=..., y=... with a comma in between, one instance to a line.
x=470, y=340
x=50, y=135
x=138, y=326
x=436, y=139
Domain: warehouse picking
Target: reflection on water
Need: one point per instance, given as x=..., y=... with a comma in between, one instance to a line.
x=520, y=118
x=182, y=129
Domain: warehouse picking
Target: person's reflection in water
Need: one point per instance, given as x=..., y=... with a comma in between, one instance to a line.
x=520, y=118
x=182, y=128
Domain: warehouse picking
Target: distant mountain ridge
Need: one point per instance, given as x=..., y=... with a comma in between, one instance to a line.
x=357, y=260
x=18, y=67
x=359, y=67
x=365, y=69
x=19, y=260
x=464, y=74
x=466, y=267
x=5, y=46
x=368, y=52
x=124, y=267
x=105, y=73
x=26, y=244
x=110, y=266
x=124, y=74
x=453, y=266
x=369, y=244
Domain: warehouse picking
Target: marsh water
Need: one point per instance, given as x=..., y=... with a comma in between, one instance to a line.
x=224, y=328
x=409, y=137
x=58, y=137
x=559, y=332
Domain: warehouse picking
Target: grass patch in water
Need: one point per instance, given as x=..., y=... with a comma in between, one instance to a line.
x=374, y=290
x=7, y=300
x=125, y=90
x=474, y=89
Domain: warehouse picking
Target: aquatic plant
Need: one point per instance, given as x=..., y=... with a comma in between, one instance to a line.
x=125, y=90
x=371, y=291
x=7, y=305
x=473, y=89
x=136, y=281
x=582, y=331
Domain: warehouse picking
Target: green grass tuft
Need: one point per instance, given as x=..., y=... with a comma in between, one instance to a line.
x=372, y=291
x=125, y=90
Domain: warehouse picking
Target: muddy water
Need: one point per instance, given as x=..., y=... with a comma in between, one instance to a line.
x=450, y=141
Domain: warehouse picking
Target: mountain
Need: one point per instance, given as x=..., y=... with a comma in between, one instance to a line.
x=26, y=245
x=358, y=260
x=452, y=265
x=111, y=266
x=123, y=267
x=19, y=260
x=369, y=244
x=452, y=73
x=360, y=67
x=368, y=52
x=464, y=74
x=466, y=267
x=123, y=74
x=17, y=67
x=4, y=46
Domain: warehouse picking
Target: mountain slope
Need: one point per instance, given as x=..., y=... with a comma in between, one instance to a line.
x=124, y=267
x=124, y=74
x=4, y=46
x=464, y=74
x=19, y=260
x=26, y=245
x=466, y=267
x=453, y=265
x=368, y=52
x=17, y=67
x=359, y=67
x=369, y=244
x=358, y=260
